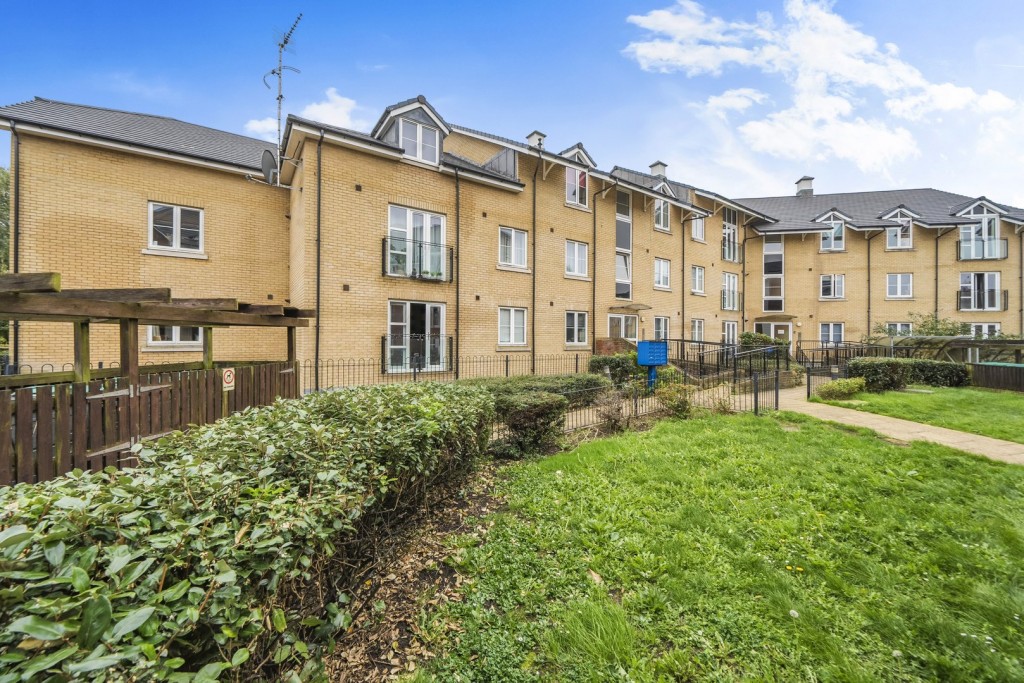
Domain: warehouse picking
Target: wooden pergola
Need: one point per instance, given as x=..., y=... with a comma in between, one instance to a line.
x=39, y=297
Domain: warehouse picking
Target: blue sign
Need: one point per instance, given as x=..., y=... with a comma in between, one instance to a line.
x=651, y=353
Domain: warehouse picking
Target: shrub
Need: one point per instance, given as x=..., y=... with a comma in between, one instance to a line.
x=621, y=368
x=881, y=374
x=229, y=545
x=535, y=421
x=612, y=410
x=938, y=373
x=676, y=398
x=579, y=390
x=840, y=389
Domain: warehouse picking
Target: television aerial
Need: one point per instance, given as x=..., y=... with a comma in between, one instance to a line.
x=282, y=45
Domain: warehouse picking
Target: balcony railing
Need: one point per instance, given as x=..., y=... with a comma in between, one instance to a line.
x=416, y=259
x=416, y=353
x=732, y=300
x=981, y=250
x=732, y=250
x=982, y=300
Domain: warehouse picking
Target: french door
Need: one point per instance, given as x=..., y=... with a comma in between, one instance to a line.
x=415, y=336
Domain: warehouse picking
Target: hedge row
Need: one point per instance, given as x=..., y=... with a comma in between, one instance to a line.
x=840, y=389
x=230, y=546
x=894, y=374
x=578, y=389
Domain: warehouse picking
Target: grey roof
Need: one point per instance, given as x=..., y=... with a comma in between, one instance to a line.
x=462, y=163
x=141, y=130
x=412, y=100
x=341, y=132
x=651, y=181
x=865, y=209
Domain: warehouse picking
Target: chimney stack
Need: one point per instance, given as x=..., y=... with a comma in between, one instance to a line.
x=536, y=139
x=805, y=186
x=659, y=168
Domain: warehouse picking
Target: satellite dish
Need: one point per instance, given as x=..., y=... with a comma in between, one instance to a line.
x=269, y=165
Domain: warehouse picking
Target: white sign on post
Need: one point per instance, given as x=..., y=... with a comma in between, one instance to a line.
x=227, y=379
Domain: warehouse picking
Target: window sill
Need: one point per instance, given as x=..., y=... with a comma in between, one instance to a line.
x=578, y=207
x=831, y=298
x=173, y=348
x=831, y=251
x=576, y=347
x=698, y=241
x=664, y=230
x=511, y=349
x=899, y=298
x=900, y=249
x=581, y=278
x=513, y=269
x=662, y=289
x=176, y=253
x=694, y=292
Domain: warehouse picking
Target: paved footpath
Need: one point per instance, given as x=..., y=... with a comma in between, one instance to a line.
x=795, y=399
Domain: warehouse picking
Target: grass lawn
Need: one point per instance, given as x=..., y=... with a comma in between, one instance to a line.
x=724, y=548
x=999, y=414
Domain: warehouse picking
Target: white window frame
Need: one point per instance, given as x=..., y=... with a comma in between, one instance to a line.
x=730, y=331
x=730, y=295
x=622, y=317
x=829, y=242
x=767, y=249
x=662, y=273
x=986, y=330
x=514, y=234
x=697, y=329
x=894, y=237
x=662, y=215
x=697, y=229
x=894, y=285
x=574, y=257
x=829, y=337
x=985, y=233
x=574, y=186
x=176, y=240
x=622, y=252
x=421, y=129
x=406, y=335
x=176, y=342
x=513, y=313
x=665, y=323
x=572, y=332
x=990, y=277
x=697, y=279
x=899, y=329
x=428, y=249
x=837, y=282
x=730, y=235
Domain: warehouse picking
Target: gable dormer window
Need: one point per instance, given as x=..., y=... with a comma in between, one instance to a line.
x=575, y=186
x=418, y=141
x=901, y=237
x=662, y=212
x=834, y=239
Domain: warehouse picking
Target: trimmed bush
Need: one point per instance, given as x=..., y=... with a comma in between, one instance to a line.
x=676, y=398
x=231, y=546
x=881, y=374
x=621, y=368
x=894, y=374
x=535, y=420
x=840, y=389
x=579, y=389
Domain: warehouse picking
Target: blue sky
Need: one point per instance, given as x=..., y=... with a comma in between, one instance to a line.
x=741, y=97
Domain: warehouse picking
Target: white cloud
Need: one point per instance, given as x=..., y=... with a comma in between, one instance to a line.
x=836, y=77
x=335, y=110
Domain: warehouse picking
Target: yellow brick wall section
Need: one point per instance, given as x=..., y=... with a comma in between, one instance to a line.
x=84, y=214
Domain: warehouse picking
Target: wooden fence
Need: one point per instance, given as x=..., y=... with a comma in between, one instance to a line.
x=998, y=376
x=49, y=430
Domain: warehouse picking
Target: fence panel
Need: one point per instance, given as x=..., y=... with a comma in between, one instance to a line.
x=998, y=376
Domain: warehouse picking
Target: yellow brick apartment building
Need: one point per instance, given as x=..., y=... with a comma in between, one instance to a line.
x=424, y=241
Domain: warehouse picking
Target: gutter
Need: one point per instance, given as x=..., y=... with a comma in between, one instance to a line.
x=319, y=193
x=15, y=230
x=458, y=269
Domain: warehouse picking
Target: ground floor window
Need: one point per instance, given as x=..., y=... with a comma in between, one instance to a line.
x=661, y=328
x=575, y=327
x=730, y=331
x=415, y=336
x=985, y=330
x=512, y=326
x=697, y=329
x=831, y=333
x=622, y=327
x=175, y=335
x=899, y=329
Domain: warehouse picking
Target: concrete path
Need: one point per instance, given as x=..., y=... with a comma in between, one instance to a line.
x=795, y=399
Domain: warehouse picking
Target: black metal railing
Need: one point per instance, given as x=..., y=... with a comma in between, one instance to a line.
x=706, y=358
x=732, y=300
x=416, y=259
x=825, y=354
x=981, y=250
x=732, y=250
x=982, y=299
x=416, y=353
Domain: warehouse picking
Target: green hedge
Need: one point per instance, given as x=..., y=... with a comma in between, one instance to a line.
x=580, y=389
x=535, y=421
x=840, y=389
x=621, y=368
x=894, y=374
x=230, y=546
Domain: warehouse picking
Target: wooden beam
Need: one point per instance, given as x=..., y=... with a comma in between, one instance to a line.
x=210, y=304
x=260, y=309
x=154, y=295
x=293, y=312
x=16, y=306
x=30, y=282
x=208, y=348
x=81, y=369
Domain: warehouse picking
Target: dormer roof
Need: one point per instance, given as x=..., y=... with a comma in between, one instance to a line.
x=579, y=153
x=399, y=108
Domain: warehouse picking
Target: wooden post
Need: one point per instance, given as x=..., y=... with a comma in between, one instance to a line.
x=208, y=348
x=291, y=345
x=81, y=368
x=130, y=351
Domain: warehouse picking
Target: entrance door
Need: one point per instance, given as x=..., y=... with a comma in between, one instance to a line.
x=777, y=331
x=416, y=336
x=622, y=327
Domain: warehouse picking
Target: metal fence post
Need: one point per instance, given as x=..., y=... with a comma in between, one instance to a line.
x=754, y=378
x=506, y=364
x=777, y=376
x=807, y=381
